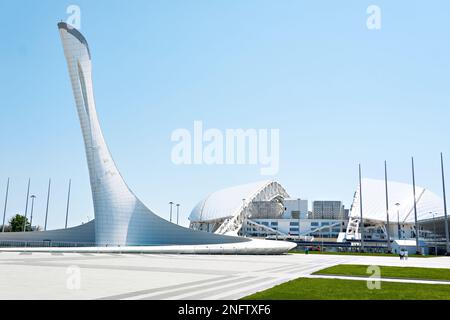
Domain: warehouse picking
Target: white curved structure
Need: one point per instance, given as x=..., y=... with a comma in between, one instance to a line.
x=374, y=206
x=254, y=246
x=226, y=209
x=374, y=201
x=121, y=219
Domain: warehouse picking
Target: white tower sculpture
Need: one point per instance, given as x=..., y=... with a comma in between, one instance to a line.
x=120, y=217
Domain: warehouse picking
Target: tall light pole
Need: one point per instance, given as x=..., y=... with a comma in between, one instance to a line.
x=6, y=203
x=243, y=206
x=298, y=204
x=387, y=209
x=398, y=220
x=68, y=203
x=447, y=247
x=361, y=222
x=31, y=213
x=46, y=208
x=178, y=211
x=171, y=204
x=434, y=233
x=26, y=205
x=415, y=207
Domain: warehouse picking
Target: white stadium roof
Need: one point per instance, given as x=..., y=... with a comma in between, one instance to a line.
x=374, y=201
x=228, y=202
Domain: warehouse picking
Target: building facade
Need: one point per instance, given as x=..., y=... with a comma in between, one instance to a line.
x=325, y=209
x=307, y=229
x=295, y=208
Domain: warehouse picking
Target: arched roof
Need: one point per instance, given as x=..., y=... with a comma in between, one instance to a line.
x=228, y=202
x=374, y=201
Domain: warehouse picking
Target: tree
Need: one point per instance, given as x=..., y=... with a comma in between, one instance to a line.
x=17, y=223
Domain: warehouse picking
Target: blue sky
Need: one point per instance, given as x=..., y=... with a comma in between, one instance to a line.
x=339, y=93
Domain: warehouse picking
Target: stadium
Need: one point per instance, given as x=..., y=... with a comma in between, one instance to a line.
x=226, y=210
x=265, y=210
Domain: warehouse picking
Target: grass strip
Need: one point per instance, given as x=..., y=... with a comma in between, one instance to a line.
x=388, y=272
x=337, y=289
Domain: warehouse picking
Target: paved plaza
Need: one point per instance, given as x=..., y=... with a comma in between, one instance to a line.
x=26, y=275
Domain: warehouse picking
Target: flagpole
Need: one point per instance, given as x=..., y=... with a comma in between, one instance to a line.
x=415, y=207
x=48, y=198
x=387, y=209
x=445, y=208
x=6, y=203
x=361, y=222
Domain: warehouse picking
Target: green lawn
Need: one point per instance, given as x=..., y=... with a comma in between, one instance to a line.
x=336, y=289
x=388, y=272
x=360, y=254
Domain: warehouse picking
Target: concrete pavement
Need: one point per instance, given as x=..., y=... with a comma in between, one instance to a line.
x=164, y=276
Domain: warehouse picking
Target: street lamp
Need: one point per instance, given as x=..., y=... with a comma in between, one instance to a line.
x=398, y=220
x=178, y=211
x=31, y=213
x=171, y=204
